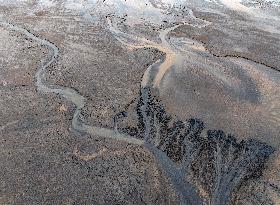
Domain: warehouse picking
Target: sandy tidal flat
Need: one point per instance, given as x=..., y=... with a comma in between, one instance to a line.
x=139, y=102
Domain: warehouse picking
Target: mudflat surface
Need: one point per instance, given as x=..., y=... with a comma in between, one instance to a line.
x=140, y=102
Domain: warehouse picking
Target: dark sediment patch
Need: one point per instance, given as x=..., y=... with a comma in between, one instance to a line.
x=194, y=161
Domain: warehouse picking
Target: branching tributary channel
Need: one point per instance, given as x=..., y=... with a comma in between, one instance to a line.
x=79, y=101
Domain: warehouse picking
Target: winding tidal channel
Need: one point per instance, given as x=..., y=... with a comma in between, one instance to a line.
x=69, y=94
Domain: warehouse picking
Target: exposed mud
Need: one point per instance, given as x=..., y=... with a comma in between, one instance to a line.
x=124, y=76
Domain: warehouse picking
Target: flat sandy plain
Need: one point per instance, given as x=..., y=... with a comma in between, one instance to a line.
x=139, y=102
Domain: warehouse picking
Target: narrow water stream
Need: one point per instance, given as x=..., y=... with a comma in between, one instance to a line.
x=68, y=93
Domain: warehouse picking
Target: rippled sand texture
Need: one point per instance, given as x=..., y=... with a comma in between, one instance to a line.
x=121, y=78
